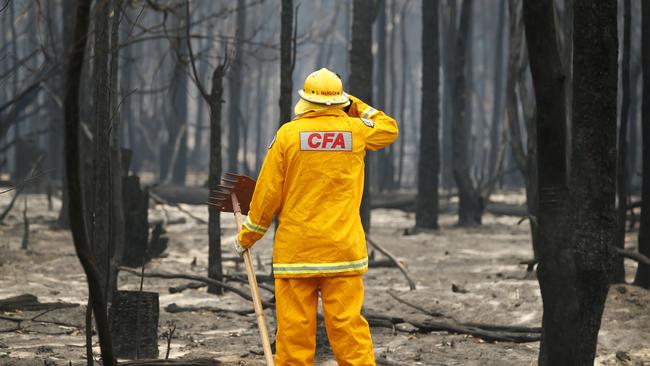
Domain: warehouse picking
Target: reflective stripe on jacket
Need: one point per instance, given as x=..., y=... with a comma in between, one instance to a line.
x=312, y=178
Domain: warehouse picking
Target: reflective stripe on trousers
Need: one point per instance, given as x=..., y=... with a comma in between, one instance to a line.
x=318, y=268
x=296, y=309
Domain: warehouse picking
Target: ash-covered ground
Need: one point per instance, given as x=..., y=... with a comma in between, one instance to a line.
x=482, y=264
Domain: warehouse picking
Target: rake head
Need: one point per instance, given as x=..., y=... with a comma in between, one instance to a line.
x=241, y=185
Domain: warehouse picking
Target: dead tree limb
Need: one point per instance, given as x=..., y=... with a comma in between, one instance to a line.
x=197, y=362
x=209, y=281
x=173, y=308
x=163, y=201
x=25, y=242
x=399, y=265
x=633, y=255
x=416, y=307
x=186, y=286
x=30, y=177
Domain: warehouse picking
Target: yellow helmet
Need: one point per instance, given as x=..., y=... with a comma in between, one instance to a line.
x=324, y=87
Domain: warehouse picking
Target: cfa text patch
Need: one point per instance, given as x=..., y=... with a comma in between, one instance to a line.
x=326, y=140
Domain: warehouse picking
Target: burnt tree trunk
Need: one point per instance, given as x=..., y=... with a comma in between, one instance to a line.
x=426, y=215
x=213, y=98
x=286, y=61
x=470, y=207
x=214, y=230
x=76, y=200
x=618, y=273
x=360, y=82
x=116, y=171
x=497, y=111
x=101, y=218
x=173, y=159
x=576, y=217
x=234, y=89
x=642, y=277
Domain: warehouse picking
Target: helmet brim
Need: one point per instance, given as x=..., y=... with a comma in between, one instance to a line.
x=337, y=100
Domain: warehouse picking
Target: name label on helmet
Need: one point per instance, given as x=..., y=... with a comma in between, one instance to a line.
x=326, y=140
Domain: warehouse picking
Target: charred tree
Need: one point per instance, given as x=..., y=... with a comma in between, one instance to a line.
x=214, y=100
x=576, y=217
x=101, y=189
x=426, y=215
x=360, y=82
x=471, y=206
x=642, y=277
x=76, y=199
x=117, y=232
x=524, y=157
x=234, y=89
x=618, y=273
x=287, y=59
x=173, y=159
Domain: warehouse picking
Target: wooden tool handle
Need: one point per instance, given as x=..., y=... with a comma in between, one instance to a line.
x=255, y=293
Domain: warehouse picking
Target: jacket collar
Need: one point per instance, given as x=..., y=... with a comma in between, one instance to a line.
x=326, y=112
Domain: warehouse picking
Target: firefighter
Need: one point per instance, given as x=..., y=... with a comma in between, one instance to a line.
x=312, y=179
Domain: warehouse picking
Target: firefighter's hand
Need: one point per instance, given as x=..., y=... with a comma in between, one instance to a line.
x=353, y=109
x=238, y=248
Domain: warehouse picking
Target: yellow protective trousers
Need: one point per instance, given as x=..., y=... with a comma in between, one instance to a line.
x=296, y=310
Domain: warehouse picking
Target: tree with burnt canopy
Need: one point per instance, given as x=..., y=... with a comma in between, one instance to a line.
x=576, y=215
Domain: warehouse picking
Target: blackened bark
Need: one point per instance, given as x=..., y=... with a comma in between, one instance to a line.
x=173, y=162
x=497, y=111
x=525, y=158
x=592, y=181
x=360, y=82
x=426, y=215
x=117, y=210
x=286, y=60
x=577, y=220
x=72, y=154
x=213, y=98
x=234, y=89
x=618, y=273
x=470, y=207
x=642, y=277
x=214, y=230
x=101, y=218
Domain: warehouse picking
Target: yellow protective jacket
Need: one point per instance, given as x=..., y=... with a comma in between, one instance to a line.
x=312, y=178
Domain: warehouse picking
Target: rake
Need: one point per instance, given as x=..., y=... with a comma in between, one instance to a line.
x=235, y=196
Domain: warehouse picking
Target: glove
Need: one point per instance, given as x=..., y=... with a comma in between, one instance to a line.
x=238, y=248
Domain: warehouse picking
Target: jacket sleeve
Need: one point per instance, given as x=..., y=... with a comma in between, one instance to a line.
x=267, y=197
x=380, y=129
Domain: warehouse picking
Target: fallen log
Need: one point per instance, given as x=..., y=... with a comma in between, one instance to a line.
x=406, y=202
x=633, y=255
x=197, y=362
x=487, y=332
x=209, y=281
x=450, y=326
x=181, y=194
x=163, y=201
x=381, y=263
x=28, y=302
x=173, y=308
x=486, y=335
x=399, y=265
x=189, y=285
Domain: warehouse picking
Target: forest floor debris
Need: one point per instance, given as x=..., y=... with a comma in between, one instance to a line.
x=485, y=261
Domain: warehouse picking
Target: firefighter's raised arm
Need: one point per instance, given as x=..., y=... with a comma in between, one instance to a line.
x=267, y=197
x=381, y=129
